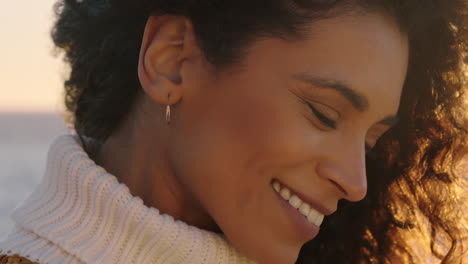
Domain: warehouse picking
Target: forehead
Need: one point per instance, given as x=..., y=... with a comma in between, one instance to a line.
x=367, y=52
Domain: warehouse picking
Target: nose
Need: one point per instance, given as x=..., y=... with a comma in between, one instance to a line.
x=345, y=170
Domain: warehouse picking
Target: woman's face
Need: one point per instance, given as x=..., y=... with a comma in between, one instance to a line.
x=299, y=113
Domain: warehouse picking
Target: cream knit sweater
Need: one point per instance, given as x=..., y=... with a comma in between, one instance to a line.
x=79, y=213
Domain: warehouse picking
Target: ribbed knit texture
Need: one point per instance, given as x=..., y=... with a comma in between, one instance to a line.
x=79, y=213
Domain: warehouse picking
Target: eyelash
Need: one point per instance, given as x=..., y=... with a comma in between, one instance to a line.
x=325, y=120
x=330, y=123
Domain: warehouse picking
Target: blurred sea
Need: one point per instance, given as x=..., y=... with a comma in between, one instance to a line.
x=24, y=142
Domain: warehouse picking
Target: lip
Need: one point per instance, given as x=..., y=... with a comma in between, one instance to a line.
x=322, y=209
x=305, y=229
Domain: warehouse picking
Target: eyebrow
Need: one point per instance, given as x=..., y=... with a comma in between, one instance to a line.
x=358, y=100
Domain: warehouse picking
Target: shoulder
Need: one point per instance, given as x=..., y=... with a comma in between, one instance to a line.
x=15, y=259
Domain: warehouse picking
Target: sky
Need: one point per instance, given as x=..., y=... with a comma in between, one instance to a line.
x=30, y=76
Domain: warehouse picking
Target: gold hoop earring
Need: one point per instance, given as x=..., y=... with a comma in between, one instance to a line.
x=168, y=114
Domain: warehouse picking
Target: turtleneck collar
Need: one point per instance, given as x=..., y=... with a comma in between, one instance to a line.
x=85, y=212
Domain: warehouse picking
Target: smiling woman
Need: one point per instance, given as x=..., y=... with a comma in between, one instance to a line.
x=254, y=131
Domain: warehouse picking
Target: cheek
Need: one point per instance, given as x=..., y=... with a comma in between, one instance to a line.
x=237, y=132
x=227, y=149
x=257, y=125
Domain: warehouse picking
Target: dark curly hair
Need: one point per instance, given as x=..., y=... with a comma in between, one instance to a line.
x=412, y=212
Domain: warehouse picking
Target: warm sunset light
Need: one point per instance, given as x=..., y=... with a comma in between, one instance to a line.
x=233, y=132
x=30, y=76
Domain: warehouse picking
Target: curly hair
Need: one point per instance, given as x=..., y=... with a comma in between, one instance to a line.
x=412, y=212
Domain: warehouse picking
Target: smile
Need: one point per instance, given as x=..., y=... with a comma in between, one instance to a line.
x=312, y=215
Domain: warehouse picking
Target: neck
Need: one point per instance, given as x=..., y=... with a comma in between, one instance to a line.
x=79, y=213
x=140, y=160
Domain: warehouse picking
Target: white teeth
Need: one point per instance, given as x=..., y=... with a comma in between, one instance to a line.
x=310, y=213
x=285, y=193
x=276, y=186
x=304, y=208
x=319, y=220
x=295, y=201
x=313, y=215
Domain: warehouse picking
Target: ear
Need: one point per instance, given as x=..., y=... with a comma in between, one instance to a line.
x=162, y=54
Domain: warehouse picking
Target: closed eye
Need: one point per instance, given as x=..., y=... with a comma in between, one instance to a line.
x=322, y=118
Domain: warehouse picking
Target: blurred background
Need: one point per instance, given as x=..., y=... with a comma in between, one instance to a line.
x=30, y=99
